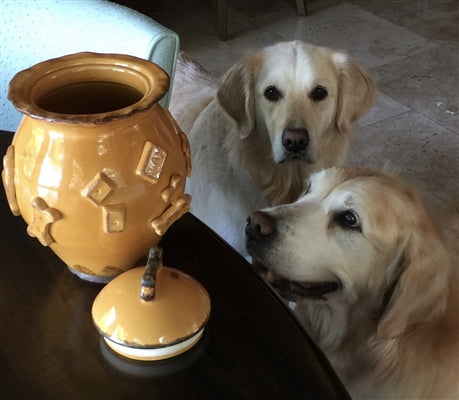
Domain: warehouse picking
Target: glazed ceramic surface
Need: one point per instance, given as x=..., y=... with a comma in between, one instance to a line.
x=167, y=323
x=97, y=167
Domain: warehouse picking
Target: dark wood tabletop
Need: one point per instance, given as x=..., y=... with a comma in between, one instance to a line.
x=252, y=348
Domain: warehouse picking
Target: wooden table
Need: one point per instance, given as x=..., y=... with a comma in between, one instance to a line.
x=253, y=348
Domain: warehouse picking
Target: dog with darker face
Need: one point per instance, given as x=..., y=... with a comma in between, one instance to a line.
x=376, y=284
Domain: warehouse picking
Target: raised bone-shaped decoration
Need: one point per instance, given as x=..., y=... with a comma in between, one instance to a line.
x=8, y=180
x=177, y=209
x=43, y=217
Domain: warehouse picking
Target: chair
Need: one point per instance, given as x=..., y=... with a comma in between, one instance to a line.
x=34, y=31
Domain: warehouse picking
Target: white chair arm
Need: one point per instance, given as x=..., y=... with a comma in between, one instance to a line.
x=34, y=31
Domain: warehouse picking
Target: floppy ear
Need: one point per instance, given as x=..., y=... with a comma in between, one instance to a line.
x=421, y=292
x=356, y=92
x=236, y=93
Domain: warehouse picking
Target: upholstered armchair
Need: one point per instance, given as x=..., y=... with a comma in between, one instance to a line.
x=34, y=31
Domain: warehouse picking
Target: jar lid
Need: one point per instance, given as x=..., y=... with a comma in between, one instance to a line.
x=153, y=312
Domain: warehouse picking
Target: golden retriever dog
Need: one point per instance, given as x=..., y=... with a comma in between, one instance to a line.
x=374, y=281
x=257, y=133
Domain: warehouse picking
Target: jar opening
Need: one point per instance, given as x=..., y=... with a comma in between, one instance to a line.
x=92, y=97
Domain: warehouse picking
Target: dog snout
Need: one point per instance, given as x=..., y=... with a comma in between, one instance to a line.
x=259, y=225
x=295, y=139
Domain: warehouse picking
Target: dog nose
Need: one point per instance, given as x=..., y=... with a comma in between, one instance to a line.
x=259, y=225
x=295, y=139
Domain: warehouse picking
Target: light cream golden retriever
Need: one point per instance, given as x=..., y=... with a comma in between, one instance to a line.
x=257, y=133
x=376, y=285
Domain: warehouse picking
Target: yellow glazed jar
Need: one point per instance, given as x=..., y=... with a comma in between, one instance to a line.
x=97, y=167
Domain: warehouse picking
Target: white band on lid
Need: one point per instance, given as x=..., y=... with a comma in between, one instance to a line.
x=155, y=353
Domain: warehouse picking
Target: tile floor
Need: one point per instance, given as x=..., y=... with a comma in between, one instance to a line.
x=410, y=46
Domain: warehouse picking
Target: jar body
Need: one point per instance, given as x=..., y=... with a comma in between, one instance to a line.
x=99, y=193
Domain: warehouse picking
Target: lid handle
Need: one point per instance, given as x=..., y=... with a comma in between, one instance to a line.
x=147, y=291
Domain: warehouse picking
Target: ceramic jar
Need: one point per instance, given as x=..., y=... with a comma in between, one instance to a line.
x=97, y=167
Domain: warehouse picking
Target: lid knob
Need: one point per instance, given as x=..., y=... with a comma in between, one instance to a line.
x=148, y=291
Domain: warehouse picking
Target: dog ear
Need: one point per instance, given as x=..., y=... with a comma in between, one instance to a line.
x=236, y=93
x=421, y=291
x=356, y=92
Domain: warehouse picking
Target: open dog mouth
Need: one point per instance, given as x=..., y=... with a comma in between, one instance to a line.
x=295, y=290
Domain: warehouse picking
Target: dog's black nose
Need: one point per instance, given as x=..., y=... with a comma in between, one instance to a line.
x=259, y=225
x=295, y=139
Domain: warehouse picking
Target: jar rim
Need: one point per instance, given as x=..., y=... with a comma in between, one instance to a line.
x=28, y=86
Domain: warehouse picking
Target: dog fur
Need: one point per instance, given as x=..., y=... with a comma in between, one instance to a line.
x=236, y=133
x=376, y=283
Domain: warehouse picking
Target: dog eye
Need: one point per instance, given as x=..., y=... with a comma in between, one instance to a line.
x=272, y=93
x=318, y=94
x=348, y=219
x=308, y=188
